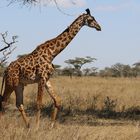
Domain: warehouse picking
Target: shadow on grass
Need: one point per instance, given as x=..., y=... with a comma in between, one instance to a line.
x=89, y=116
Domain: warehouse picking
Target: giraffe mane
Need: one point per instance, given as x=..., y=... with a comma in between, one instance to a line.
x=67, y=29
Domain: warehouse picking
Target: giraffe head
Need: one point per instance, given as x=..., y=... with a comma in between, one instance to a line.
x=90, y=21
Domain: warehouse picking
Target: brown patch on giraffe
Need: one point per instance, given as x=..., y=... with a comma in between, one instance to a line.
x=35, y=54
x=58, y=44
x=60, y=38
x=55, y=51
x=67, y=42
x=49, y=52
x=64, y=39
x=44, y=57
x=51, y=44
x=52, y=47
x=70, y=38
x=80, y=24
x=64, y=35
x=47, y=45
x=54, y=41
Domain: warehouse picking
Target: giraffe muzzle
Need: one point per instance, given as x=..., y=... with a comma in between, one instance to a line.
x=98, y=27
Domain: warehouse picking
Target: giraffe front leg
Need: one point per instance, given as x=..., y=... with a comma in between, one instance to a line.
x=19, y=103
x=24, y=116
x=56, y=99
x=39, y=101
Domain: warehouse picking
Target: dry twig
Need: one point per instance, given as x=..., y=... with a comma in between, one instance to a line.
x=7, y=50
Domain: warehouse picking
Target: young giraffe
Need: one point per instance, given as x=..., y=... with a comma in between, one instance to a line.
x=37, y=67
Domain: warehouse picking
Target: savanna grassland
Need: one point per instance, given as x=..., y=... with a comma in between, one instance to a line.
x=92, y=109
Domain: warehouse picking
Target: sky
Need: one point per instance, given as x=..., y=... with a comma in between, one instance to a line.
x=119, y=40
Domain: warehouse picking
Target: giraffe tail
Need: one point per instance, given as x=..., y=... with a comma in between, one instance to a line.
x=1, y=94
x=3, y=80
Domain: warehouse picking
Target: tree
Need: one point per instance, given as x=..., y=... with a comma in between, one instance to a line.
x=24, y=2
x=106, y=72
x=90, y=71
x=137, y=64
x=41, y=2
x=37, y=2
x=68, y=71
x=121, y=70
x=8, y=47
x=78, y=62
x=136, y=69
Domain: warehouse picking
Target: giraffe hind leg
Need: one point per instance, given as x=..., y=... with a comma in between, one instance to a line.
x=39, y=102
x=19, y=103
x=56, y=99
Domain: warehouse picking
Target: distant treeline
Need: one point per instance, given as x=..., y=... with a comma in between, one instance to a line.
x=74, y=68
x=116, y=70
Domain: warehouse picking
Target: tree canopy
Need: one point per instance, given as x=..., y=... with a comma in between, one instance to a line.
x=78, y=62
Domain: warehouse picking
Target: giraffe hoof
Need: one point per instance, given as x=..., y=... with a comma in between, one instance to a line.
x=52, y=125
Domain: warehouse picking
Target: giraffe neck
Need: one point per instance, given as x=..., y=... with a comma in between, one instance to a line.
x=62, y=40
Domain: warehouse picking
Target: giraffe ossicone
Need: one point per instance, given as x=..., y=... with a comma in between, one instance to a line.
x=37, y=67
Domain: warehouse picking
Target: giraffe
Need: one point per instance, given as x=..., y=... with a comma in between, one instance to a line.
x=37, y=67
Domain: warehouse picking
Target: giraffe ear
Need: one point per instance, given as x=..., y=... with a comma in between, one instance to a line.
x=88, y=11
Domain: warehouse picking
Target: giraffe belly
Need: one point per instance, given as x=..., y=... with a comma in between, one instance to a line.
x=30, y=75
x=29, y=80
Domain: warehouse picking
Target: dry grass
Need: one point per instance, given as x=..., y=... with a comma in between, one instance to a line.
x=92, y=109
